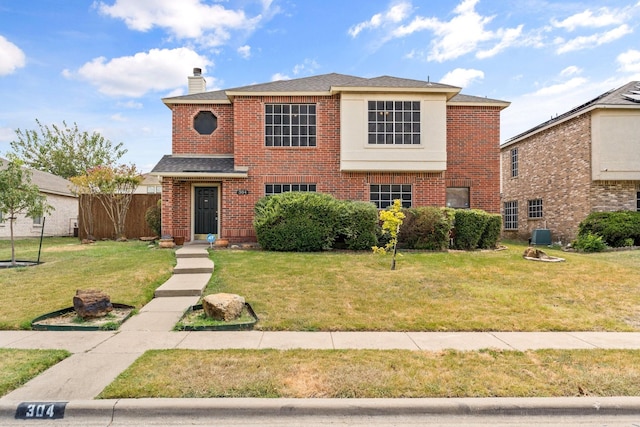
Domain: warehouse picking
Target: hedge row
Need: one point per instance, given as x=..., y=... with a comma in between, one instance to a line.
x=617, y=229
x=306, y=222
x=309, y=221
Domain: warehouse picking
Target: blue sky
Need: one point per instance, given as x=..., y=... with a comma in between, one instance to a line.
x=106, y=64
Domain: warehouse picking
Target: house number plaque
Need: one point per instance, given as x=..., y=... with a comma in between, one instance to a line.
x=40, y=410
x=242, y=192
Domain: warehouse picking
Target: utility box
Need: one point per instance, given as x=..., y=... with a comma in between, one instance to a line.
x=541, y=236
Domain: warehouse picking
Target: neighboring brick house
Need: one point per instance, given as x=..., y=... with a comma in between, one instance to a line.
x=585, y=160
x=374, y=139
x=61, y=221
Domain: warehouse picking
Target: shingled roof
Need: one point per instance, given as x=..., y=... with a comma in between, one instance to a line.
x=196, y=165
x=627, y=96
x=47, y=182
x=325, y=84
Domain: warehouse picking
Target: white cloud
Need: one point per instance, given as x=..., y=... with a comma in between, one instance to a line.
x=11, y=57
x=462, y=77
x=594, y=40
x=130, y=105
x=118, y=117
x=308, y=66
x=245, y=51
x=279, y=76
x=464, y=33
x=208, y=24
x=396, y=13
x=134, y=76
x=602, y=18
x=629, y=61
x=570, y=71
x=560, y=88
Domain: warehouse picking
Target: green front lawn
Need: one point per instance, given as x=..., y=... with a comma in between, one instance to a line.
x=128, y=272
x=455, y=291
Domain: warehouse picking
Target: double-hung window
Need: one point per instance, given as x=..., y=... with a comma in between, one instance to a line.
x=290, y=125
x=383, y=195
x=511, y=215
x=394, y=122
x=514, y=162
x=271, y=189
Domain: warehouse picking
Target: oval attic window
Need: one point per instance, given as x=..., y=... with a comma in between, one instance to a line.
x=205, y=122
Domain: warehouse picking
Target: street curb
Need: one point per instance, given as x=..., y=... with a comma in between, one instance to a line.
x=115, y=409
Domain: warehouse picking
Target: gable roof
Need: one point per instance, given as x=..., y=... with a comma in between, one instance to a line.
x=47, y=182
x=626, y=96
x=324, y=84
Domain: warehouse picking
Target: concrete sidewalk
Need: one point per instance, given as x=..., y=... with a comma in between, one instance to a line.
x=102, y=356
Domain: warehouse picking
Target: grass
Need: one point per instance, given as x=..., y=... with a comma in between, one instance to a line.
x=378, y=374
x=128, y=272
x=495, y=290
x=455, y=291
x=19, y=366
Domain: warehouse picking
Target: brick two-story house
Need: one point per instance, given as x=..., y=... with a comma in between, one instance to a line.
x=585, y=160
x=372, y=139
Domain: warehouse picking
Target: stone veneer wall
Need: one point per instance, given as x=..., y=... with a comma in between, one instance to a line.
x=554, y=165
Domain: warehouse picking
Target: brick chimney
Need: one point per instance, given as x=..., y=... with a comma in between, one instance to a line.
x=197, y=83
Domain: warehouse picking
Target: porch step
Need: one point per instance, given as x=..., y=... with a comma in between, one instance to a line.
x=193, y=266
x=183, y=285
x=192, y=251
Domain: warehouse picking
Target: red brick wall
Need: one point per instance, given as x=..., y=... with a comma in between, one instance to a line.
x=473, y=154
x=185, y=139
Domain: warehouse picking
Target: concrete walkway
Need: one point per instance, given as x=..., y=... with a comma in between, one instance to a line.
x=99, y=357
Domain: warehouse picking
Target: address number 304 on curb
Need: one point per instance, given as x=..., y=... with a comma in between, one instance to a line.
x=40, y=410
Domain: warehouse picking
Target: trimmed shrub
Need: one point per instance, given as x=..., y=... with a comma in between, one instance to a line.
x=491, y=234
x=358, y=228
x=426, y=228
x=296, y=221
x=615, y=228
x=469, y=225
x=153, y=217
x=590, y=242
x=308, y=222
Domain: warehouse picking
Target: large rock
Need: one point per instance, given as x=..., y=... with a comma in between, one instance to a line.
x=223, y=306
x=91, y=303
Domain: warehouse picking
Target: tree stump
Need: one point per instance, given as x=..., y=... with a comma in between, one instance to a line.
x=91, y=303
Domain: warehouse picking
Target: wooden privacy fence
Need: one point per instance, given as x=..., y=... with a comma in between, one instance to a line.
x=135, y=224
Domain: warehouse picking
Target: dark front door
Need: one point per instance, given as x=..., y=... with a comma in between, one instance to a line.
x=206, y=211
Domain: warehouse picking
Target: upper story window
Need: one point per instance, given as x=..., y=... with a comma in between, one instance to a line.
x=271, y=189
x=394, y=122
x=535, y=208
x=514, y=162
x=511, y=215
x=205, y=122
x=290, y=125
x=383, y=195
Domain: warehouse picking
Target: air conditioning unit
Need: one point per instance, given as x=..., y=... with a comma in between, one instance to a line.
x=541, y=236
